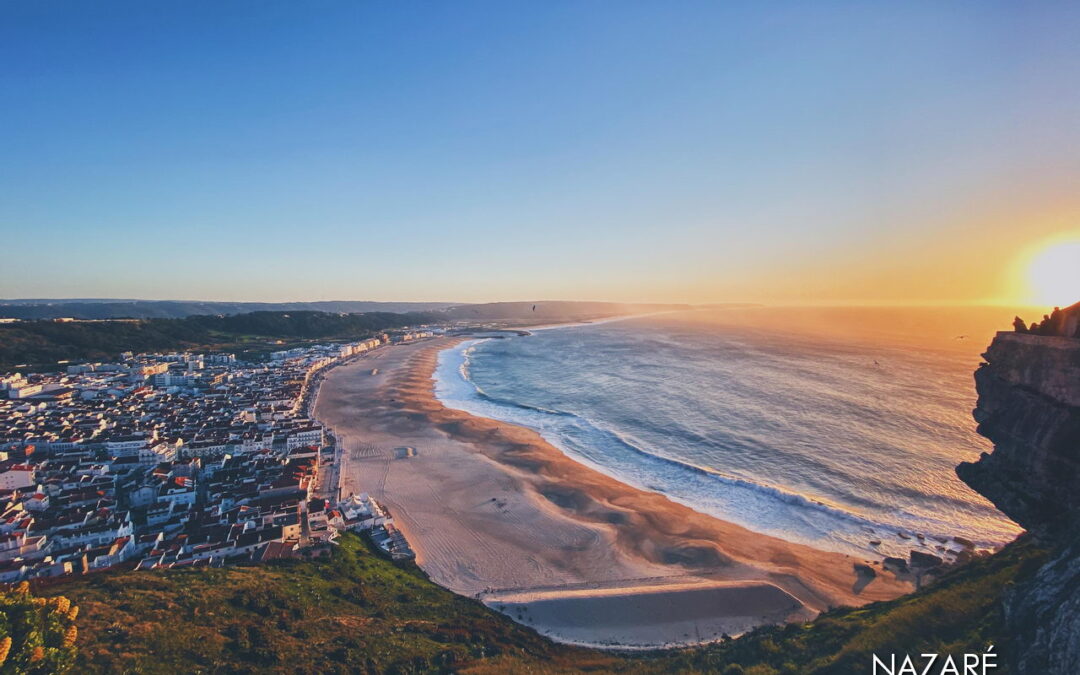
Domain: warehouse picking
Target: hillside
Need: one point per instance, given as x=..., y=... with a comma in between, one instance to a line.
x=355, y=613
x=358, y=612
x=30, y=309
x=46, y=342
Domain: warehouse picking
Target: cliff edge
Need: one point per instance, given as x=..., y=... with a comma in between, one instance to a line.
x=1029, y=407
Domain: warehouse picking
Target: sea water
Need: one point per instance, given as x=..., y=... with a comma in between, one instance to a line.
x=831, y=427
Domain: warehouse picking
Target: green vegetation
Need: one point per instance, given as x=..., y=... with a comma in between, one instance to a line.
x=36, y=635
x=358, y=612
x=46, y=342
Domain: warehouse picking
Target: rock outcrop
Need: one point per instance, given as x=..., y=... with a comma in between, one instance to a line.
x=1029, y=407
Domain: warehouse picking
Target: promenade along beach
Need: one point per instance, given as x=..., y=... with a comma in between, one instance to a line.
x=494, y=511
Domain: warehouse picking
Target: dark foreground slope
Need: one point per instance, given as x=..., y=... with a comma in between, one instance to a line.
x=360, y=613
x=356, y=612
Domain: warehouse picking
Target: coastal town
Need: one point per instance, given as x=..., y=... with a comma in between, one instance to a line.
x=164, y=460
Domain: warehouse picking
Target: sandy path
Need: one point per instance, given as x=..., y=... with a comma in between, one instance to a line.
x=493, y=509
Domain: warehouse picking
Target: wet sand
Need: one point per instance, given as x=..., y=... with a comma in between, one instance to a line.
x=494, y=511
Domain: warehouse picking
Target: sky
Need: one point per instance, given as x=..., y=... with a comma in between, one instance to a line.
x=780, y=152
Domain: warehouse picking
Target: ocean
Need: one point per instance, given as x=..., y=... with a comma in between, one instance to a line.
x=830, y=427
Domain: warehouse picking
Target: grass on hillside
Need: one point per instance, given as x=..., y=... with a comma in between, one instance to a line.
x=358, y=612
x=355, y=613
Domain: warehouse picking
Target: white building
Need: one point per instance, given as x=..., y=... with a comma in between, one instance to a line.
x=18, y=477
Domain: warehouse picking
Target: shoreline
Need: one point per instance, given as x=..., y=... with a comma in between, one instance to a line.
x=489, y=505
x=894, y=540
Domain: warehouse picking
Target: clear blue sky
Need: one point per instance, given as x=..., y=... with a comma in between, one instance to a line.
x=495, y=150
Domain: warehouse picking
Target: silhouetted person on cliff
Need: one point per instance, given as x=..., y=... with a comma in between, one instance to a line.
x=1052, y=324
x=1044, y=327
x=1057, y=322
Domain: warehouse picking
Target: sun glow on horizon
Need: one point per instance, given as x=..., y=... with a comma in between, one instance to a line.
x=1052, y=271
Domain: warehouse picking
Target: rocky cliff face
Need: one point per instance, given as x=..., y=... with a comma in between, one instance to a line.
x=1029, y=406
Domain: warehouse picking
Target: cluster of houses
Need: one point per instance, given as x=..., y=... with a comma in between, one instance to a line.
x=164, y=460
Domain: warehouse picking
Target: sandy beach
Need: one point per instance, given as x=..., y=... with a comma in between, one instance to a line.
x=496, y=512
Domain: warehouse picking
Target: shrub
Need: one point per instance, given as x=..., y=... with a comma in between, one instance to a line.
x=36, y=635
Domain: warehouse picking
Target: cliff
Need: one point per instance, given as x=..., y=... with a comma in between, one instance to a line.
x=1029, y=407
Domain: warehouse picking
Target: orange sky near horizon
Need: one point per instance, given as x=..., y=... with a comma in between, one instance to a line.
x=984, y=263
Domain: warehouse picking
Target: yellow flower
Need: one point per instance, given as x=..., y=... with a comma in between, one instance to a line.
x=23, y=588
x=61, y=604
x=70, y=635
x=73, y=612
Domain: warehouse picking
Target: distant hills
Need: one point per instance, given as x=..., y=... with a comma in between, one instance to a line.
x=103, y=329
x=40, y=342
x=540, y=311
x=82, y=308
x=179, y=309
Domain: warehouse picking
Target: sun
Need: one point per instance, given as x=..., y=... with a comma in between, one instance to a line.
x=1053, y=275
